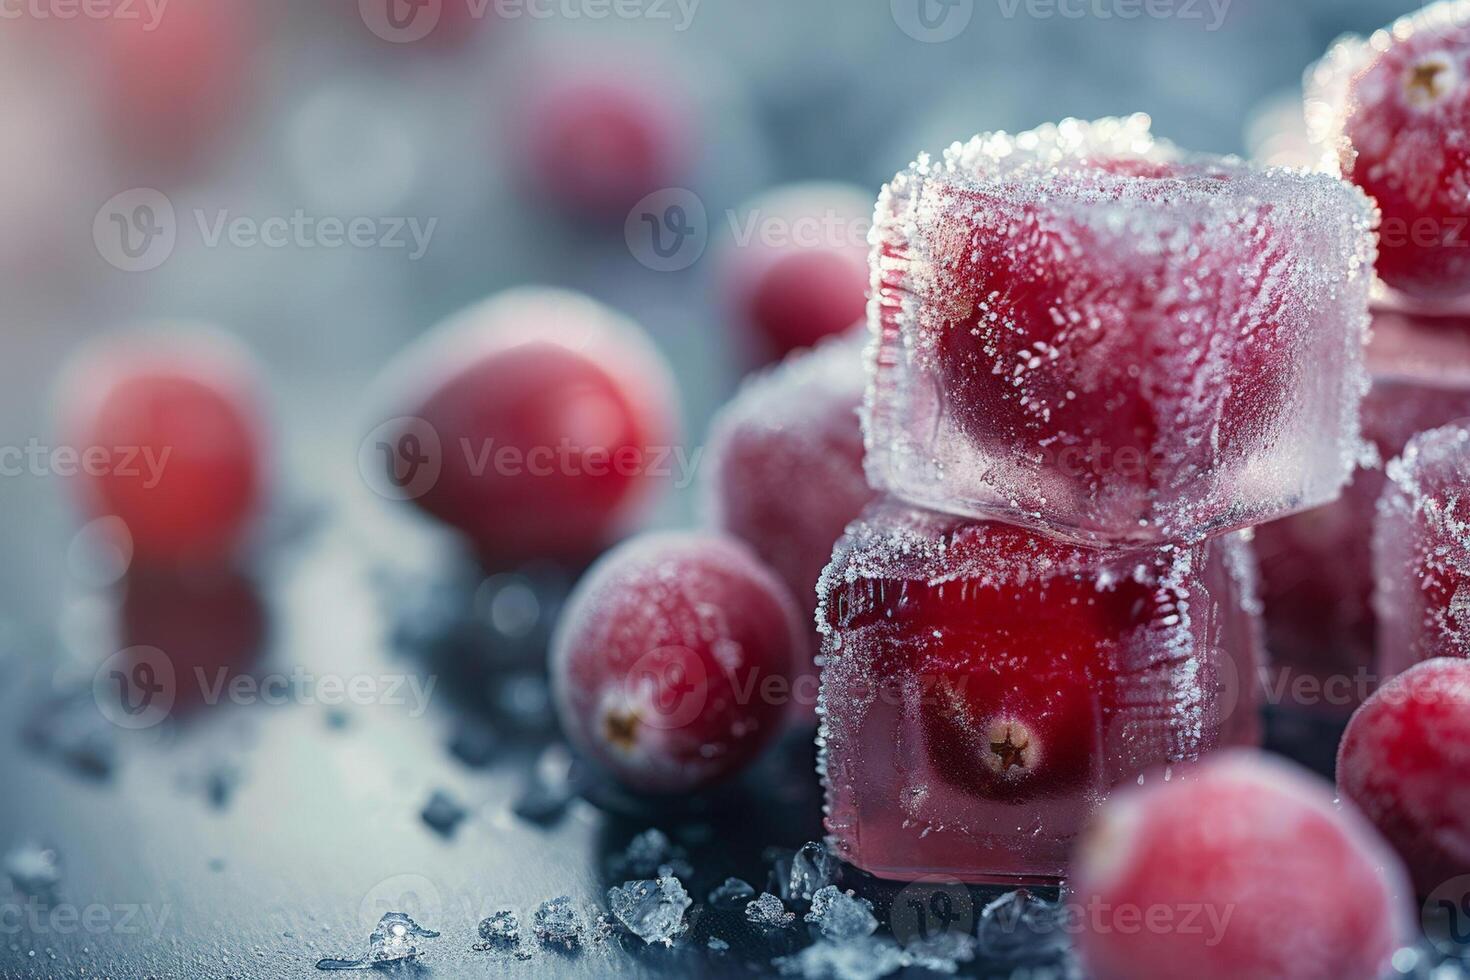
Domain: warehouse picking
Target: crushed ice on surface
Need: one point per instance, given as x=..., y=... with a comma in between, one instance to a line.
x=867, y=958
x=812, y=869
x=443, y=813
x=647, y=853
x=558, y=922
x=941, y=953
x=732, y=896
x=718, y=945
x=769, y=912
x=34, y=869
x=651, y=910
x=474, y=743
x=841, y=915
x=500, y=932
x=549, y=787
x=1019, y=926
x=393, y=940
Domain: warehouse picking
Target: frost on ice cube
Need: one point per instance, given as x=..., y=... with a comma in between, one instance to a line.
x=768, y=911
x=841, y=915
x=986, y=687
x=1317, y=566
x=731, y=896
x=558, y=922
x=393, y=940
x=1422, y=552
x=1084, y=331
x=651, y=910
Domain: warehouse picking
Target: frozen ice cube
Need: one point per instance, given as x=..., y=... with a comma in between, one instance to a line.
x=393, y=940
x=731, y=896
x=1019, y=927
x=769, y=912
x=1084, y=331
x=648, y=852
x=812, y=868
x=841, y=915
x=443, y=813
x=651, y=910
x=474, y=743
x=501, y=930
x=984, y=686
x=559, y=922
x=867, y=958
x=34, y=869
x=1421, y=551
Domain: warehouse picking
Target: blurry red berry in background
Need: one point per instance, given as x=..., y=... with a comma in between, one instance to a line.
x=210, y=624
x=796, y=270
x=173, y=87
x=169, y=431
x=1241, y=866
x=672, y=662
x=545, y=421
x=784, y=461
x=595, y=141
x=1403, y=762
x=1396, y=111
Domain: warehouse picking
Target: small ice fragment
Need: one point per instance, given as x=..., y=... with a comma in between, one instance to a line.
x=34, y=869
x=812, y=869
x=718, y=945
x=502, y=930
x=474, y=744
x=861, y=959
x=549, y=787
x=558, y=922
x=392, y=941
x=768, y=911
x=443, y=813
x=1019, y=927
x=941, y=953
x=732, y=896
x=650, y=851
x=73, y=731
x=651, y=910
x=841, y=915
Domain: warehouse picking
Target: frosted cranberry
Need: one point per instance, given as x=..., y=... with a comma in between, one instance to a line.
x=170, y=438
x=1087, y=333
x=1396, y=111
x=1239, y=867
x=785, y=462
x=596, y=141
x=176, y=87
x=1421, y=552
x=549, y=418
x=1317, y=567
x=672, y=663
x=985, y=686
x=798, y=268
x=1402, y=761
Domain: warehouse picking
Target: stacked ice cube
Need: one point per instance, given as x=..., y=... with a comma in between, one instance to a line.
x=1093, y=357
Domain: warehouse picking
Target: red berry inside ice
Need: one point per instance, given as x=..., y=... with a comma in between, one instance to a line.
x=597, y=141
x=797, y=270
x=672, y=663
x=169, y=434
x=785, y=462
x=537, y=423
x=1240, y=867
x=1397, y=111
x=1403, y=760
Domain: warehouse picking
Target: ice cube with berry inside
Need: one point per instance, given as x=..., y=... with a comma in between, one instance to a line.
x=1317, y=566
x=984, y=687
x=1421, y=552
x=1082, y=330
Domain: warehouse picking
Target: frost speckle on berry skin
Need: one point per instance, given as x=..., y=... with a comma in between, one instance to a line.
x=1084, y=330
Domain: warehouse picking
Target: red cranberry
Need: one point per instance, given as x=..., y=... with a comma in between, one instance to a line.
x=984, y=686
x=549, y=418
x=1396, y=110
x=170, y=438
x=798, y=269
x=597, y=139
x=1402, y=761
x=1239, y=867
x=672, y=663
x=785, y=462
